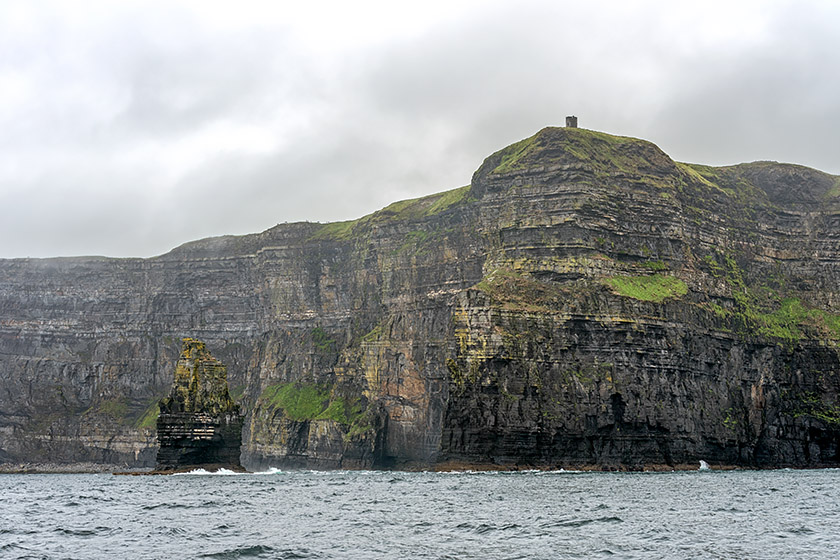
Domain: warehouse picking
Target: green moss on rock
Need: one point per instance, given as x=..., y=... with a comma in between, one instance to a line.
x=404, y=210
x=600, y=152
x=297, y=401
x=813, y=405
x=149, y=417
x=115, y=409
x=322, y=341
x=764, y=312
x=656, y=287
x=310, y=401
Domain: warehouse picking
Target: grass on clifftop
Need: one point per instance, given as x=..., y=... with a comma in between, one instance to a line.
x=656, y=288
x=404, y=210
x=597, y=150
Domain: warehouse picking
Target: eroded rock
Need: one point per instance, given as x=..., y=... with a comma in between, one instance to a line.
x=199, y=424
x=585, y=301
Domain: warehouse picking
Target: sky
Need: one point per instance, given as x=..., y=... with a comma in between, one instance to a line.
x=128, y=128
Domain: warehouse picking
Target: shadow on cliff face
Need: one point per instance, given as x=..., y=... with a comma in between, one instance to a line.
x=585, y=301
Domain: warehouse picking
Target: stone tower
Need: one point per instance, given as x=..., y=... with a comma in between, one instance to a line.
x=199, y=424
x=571, y=122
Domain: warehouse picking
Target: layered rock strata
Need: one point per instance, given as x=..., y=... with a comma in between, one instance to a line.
x=584, y=301
x=199, y=425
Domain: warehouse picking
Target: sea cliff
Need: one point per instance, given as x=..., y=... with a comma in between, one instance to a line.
x=585, y=300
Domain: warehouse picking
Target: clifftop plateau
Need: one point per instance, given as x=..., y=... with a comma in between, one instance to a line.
x=585, y=301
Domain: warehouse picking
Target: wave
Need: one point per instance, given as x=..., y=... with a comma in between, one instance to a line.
x=203, y=472
x=582, y=522
x=257, y=551
x=168, y=505
x=483, y=528
x=227, y=472
x=271, y=470
x=87, y=532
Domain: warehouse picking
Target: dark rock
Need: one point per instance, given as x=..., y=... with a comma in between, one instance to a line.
x=586, y=301
x=199, y=424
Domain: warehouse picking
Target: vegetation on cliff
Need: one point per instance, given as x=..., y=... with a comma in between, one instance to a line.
x=600, y=152
x=655, y=287
x=585, y=300
x=300, y=401
x=403, y=211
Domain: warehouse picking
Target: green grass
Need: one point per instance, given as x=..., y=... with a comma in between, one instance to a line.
x=656, y=287
x=603, y=153
x=374, y=334
x=834, y=192
x=414, y=239
x=307, y=401
x=813, y=405
x=149, y=417
x=417, y=208
x=656, y=266
x=341, y=410
x=116, y=408
x=236, y=393
x=514, y=154
x=322, y=341
x=733, y=181
x=447, y=200
x=404, y=210
x=335, y=230
x=762, y=311
x=704, y=174
x=787, y=321
x=298, y=401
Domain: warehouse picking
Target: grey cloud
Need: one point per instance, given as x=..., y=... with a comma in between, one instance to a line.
x=776, y=101
x=361, y=128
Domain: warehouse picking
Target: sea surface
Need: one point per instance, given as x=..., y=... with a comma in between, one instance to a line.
x=340, y=514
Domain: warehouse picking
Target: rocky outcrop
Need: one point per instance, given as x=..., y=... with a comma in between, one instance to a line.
x=584, y=301
x=198, y=424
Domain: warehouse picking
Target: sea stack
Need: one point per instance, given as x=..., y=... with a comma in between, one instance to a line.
x=199, y=424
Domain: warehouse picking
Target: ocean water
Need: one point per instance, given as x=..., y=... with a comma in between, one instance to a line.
x=533, y=515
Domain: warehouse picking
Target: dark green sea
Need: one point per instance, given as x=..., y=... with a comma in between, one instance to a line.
x=363, y=514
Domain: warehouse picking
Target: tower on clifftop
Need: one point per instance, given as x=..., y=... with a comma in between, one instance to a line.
x=571, y=122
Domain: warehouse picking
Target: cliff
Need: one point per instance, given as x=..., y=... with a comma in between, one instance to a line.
x=584, y=301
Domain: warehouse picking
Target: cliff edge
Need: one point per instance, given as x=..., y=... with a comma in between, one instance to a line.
x=585, y=300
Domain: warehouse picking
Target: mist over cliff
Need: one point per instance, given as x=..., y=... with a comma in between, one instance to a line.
x=584, y=301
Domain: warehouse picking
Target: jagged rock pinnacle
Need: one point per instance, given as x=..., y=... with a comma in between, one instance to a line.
x=199, y=424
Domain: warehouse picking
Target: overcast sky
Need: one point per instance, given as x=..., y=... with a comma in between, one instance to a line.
x=128, y=128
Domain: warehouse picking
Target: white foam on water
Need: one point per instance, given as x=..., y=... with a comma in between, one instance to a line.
x=203, y=472
x=271, y=470
x=227, y=472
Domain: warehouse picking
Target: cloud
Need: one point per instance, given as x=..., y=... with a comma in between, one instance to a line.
x=773, y=99
x=131, y=128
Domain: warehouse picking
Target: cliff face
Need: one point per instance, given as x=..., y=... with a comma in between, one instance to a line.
x=586, y=300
